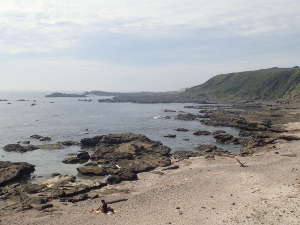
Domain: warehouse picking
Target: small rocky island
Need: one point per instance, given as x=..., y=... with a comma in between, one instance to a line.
x=65, y=95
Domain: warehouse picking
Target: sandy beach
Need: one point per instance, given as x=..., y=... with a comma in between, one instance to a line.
x=200, y=191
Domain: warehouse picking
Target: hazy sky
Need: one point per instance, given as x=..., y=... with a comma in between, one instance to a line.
x=132, y=45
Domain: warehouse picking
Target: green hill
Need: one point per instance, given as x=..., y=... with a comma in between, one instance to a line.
x=265, y=84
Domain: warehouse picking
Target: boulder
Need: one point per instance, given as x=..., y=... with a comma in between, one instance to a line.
x=14, y=172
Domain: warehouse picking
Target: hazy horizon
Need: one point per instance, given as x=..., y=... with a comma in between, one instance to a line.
x=130, y=46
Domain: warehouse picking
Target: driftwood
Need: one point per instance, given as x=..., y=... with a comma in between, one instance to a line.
x=241, y=164
x=118, y=200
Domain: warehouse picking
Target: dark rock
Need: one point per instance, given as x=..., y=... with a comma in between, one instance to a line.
x=182, y=130
x=289, y=137
x=169, y=110
x=113, y=139
x=219, y=132
x=170, y=136
x=12, y=172
x=81, y=157
x=171, y=168
x=55, y=174
x=201, y=132
x=226, y=139
x=19, y=148
x=69, y=143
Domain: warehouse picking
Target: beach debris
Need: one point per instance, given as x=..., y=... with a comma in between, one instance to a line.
x=117, y=201
x=239, y=162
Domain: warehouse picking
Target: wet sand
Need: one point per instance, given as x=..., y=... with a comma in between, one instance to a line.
x=207, y=192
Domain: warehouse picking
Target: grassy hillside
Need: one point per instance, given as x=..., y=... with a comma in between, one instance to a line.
x=265, y=84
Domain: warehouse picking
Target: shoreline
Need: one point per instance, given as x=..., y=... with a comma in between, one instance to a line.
x=216, y=191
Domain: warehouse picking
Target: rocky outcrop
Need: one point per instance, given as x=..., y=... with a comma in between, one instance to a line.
x=226, y=139
x=121, y=155
x=39, y=196
x=12, y=172
x=113, y=139
x=27, y=148
x=186, y=117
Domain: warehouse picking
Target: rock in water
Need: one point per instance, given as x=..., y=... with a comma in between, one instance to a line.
x=19, y=148
x=201, y=132
x=13, y=172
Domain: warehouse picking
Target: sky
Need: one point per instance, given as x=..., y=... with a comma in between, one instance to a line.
x=141, y=45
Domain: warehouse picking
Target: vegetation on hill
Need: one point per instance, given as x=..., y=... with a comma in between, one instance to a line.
x=265, y=84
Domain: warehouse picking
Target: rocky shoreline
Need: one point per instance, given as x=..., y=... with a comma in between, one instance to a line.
x=113, y=158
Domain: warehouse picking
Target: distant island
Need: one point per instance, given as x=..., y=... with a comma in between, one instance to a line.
x=265, y=84
x=64, y=95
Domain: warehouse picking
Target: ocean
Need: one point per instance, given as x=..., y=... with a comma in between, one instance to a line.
x=69, y=119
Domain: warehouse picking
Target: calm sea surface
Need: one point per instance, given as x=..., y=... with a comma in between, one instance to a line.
x=68, y=119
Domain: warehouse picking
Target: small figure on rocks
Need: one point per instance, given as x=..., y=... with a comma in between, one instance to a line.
x=104, y=208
